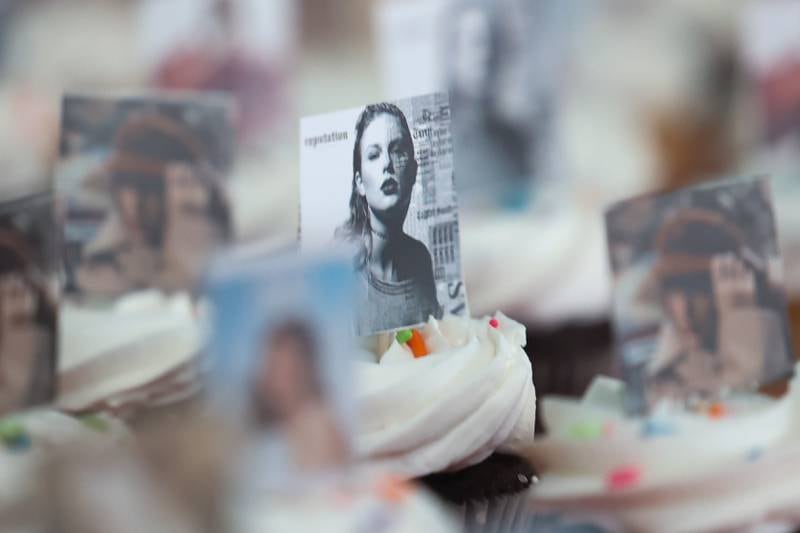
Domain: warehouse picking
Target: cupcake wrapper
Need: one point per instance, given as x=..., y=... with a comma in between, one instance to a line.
x=502, y=514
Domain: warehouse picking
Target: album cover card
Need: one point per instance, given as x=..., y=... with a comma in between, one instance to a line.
x=770, y=49
x=28, y=310
x=698, y=304
x=142, y=190
x=501, y=62
x=280, y=356
x=377, y=181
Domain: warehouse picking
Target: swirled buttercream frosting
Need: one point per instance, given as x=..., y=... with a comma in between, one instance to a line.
x=470, y=396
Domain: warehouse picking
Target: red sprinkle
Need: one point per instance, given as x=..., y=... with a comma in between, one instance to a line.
x=494, y=323
x=624, y=477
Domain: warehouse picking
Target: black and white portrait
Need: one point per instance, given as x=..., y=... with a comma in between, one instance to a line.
x=379, y=181
x=27, y=304
x=502, y=62
x=142, y=187
x=699, y=306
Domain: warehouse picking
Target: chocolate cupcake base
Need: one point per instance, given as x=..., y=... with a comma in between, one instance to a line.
x=489, y=496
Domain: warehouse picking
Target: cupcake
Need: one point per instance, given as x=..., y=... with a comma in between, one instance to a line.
x=717, y=466
x=455, y=418
x=139, y=354
x=28, y=441
x=374, y=503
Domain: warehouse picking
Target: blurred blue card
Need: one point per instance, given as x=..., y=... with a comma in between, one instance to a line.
x=280, y=352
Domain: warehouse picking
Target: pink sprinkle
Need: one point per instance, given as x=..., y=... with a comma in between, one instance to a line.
x=494, y=323
x=624, y=477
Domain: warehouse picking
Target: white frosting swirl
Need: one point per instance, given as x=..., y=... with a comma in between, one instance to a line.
x=471, y=396
x=687, y=468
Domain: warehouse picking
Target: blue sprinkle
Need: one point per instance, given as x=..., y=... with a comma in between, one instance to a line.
x=754, y=454
x=19, y=443
x=653, y=428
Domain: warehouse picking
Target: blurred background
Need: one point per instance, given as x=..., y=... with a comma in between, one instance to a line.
x=560, y=108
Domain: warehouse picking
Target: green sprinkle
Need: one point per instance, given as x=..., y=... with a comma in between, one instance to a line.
x=95, y=422
x=11, y=430
x=403, y=336
x=586, y=431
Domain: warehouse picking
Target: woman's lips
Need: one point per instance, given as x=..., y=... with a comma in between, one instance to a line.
x=390, y=187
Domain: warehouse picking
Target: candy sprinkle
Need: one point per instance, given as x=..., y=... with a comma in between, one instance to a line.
x=586, y=431
x=95, y=422
x=494, y=323
x=654, y=428
x=403, y=336
x=624, y=477
x=13, y=435
x=19, y=444
x=754, y=454
x=10, y=430
x=393, y=490
x=417, y=344
x=717, y=411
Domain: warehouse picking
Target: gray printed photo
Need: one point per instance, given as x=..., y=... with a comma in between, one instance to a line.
x=142, y=184
x=698, y=303
x=379, y=181
x=28, y=311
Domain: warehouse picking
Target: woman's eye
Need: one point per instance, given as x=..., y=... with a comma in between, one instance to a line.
x=400, y=153
x=372, y=155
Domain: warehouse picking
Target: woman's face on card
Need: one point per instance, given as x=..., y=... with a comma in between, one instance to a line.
x=386, y=178
x=285, y=380
x=691, y=313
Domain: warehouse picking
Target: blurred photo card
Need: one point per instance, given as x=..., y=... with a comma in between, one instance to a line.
x=501, y=62
x=771, y=53
x=698, y=305
x=141, y=182
x=28, y=311
x=378, y=182
x=280, y=358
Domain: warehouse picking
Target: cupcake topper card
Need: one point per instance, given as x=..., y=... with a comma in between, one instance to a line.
x=378, y=182
x=141, y=184
x=280, y=356
x=27, y=303
x=698, y=303
x=770, y=48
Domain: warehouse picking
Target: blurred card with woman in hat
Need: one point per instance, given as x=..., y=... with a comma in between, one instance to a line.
x=141, y=182
x=699, y=307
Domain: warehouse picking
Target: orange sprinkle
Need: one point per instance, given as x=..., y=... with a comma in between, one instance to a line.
x=716, y=410
x=393, y=490
x=417, y=344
